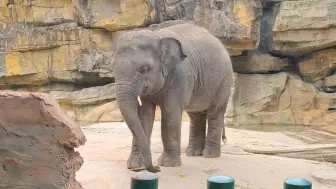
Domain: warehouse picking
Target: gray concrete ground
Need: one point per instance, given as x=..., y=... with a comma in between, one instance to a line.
x=108, y=147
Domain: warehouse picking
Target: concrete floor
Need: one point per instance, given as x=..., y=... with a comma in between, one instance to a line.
x=108, y=147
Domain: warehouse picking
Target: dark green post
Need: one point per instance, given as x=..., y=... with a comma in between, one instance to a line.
x=220, y=182
x=297, y=183
x=144, y=180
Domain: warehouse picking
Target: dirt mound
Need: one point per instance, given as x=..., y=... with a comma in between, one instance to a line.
x=37, y=141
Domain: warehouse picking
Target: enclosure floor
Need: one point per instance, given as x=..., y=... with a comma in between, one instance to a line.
x=108, y=147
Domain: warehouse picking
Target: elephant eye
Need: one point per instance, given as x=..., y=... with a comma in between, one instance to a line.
x=143, y=70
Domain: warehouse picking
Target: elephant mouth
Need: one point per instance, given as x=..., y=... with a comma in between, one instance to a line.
x=147, y=91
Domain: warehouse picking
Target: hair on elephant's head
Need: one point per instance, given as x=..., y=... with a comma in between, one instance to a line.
x=141, y=64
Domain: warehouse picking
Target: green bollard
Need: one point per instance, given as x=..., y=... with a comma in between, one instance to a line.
x=297, y=183
x=220, y=182
x=144, y=180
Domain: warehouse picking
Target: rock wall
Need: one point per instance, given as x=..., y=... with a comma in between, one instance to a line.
x=37, y=143
x=283, y=53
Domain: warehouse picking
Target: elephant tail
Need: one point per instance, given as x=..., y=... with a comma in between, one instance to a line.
x=224, y=138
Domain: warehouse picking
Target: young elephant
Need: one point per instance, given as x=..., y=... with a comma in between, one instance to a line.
x=181, y=67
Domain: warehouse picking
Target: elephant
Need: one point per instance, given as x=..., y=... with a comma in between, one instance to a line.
x=178, y=68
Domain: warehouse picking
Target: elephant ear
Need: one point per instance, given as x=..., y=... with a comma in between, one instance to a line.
x=170, y=53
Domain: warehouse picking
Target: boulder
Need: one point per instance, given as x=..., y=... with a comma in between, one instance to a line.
x=318, y=65
x=329, y=83
x=313, y=21
x=279, y=99
x=37, y=143
x=259, y=63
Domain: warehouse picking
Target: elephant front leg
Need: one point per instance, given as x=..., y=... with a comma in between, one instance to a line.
x=196, y=133
x=146, y=114
x=212, y=147
x=171, y=136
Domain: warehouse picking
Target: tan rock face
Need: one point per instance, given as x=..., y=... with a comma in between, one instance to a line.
x=37, y=12
x=90, y=105
x=108, y=112
x=318, y=65
x=279, y=100
x=111, y=15
x=236, y=23
x=39, y=38
x=304, y=26
x=114, y=15
x=60, y=53
x=259, y=63
x=329, y=83
x=93, y=105
x=43, y=63
x=38, y=141
x=86, y=96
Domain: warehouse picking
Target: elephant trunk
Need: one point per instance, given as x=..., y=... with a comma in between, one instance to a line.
x=127, y=101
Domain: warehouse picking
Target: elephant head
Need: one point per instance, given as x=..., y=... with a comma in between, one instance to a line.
x=141, y=64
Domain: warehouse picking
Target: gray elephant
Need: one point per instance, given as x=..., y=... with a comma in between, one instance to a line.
x=180, y=67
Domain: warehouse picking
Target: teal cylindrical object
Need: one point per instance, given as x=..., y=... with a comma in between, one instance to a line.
x=144, y=180
x=220, y=182
x=297, y=183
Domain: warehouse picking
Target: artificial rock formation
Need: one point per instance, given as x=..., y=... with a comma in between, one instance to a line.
x=329, y=83
x=279, y=100
x=235, y=23
x=37, y=143
x=90, y=105
x=318, y=65
x=285, y=47
x=302, y=26
x=263, y=63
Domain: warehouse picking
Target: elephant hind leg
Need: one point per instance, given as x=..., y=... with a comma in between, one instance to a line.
x=216, y=128
x=197, y=131
x=212, y=148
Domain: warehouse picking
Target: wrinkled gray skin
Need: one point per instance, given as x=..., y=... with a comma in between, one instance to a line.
x=181, y=67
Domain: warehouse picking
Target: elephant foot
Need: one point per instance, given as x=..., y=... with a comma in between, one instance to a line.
x=135, y=161
x=194, y=151
x=211, y=152
x=169, y=160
